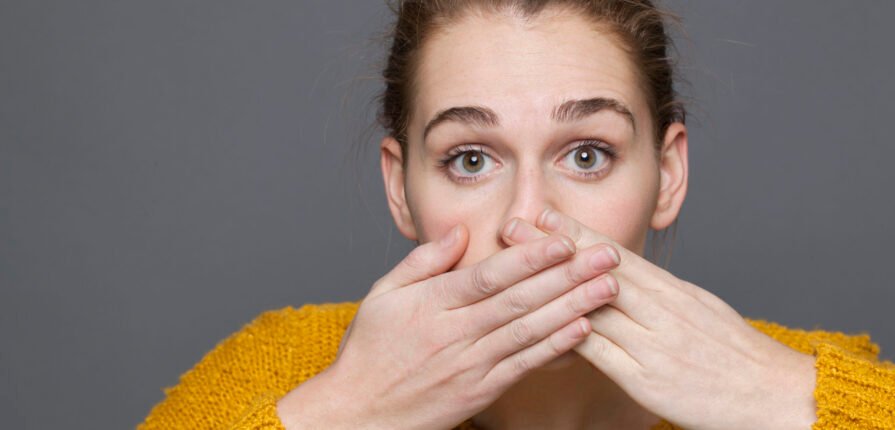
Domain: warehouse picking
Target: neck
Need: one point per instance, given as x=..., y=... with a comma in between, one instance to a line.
x=576, y=396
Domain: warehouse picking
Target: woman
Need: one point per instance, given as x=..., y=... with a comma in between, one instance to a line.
x=531, y=146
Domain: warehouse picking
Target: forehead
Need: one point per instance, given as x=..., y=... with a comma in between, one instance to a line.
x=521, y=68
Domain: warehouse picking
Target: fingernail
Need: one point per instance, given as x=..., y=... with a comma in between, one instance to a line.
x=604, y=287
x=602, y=260
x=605, y=258
x=585, y=327
x=508, y=230
x=613, y=253
x=451, y=237
x=550, y=220
x=561, y=248
x=612, y=284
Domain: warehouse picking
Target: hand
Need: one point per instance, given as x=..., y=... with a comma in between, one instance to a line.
x=428, y=349
x=683, y=353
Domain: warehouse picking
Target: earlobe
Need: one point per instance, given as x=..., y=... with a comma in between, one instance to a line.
x=393, y=175
x=673, y=174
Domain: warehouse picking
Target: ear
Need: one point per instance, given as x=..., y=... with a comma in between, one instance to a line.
x=393, y=177
x=673, y=173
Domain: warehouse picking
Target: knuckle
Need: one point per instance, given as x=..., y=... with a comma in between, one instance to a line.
x=521, y=364
x=556, y=350
x=471, y=397
x=416, y=258
x=516, y=301
x=571, y=274
x=597, y=350
x=577, y=301
x=530, y=261
x=439, y=290
x=521, y=332
x=483, y=281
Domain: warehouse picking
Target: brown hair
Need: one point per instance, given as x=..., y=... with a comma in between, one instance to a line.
x=637, y=26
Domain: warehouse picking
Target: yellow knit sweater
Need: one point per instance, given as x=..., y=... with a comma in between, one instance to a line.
x=237, y=384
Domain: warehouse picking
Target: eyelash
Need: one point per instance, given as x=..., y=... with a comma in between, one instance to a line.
x=454, y=153
x=444, y=163
x=606, y=149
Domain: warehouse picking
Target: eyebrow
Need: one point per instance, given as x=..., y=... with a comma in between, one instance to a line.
x=568, y=111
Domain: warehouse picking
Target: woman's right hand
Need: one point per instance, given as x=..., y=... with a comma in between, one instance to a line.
x=428, y=347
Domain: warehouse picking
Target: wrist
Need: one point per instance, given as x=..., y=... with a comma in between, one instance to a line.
x=316, y=404
x=796, y=407
x=805, y=404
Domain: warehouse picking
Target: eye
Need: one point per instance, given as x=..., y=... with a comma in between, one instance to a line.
x=588, y=158
x=466, y=163
x=471, y=161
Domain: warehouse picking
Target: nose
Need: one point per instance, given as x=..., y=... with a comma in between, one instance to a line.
x=531, y=193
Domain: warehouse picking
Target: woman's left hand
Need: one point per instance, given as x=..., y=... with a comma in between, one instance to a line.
x=683, y=353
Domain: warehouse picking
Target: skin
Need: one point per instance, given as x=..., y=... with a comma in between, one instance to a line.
x=559, y=58
x=521, y=71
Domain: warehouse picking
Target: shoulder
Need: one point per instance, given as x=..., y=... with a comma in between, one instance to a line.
x=807, y=341
x=321, y=317
x=277, y=350
x=297, y=342
x=310, y=334
x=293, y=326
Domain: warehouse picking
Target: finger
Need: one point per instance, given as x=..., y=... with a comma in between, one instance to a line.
x=512, y=368
x=425, y=261
x=497, y=272
x=671, y=310
x=523, y=332
x=641, y=305
x=552, y=221
x=642, y=272
x=612, y=360
x=615, y=325
x=534, y=292
x=518, y=231
x=656, y=306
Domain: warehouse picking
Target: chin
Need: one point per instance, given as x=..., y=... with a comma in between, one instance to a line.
x=565, y=360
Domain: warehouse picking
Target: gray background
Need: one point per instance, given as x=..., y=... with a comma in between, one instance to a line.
x=170, y=169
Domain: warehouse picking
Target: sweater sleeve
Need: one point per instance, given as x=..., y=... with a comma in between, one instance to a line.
x=853, y=391
x=235, y=385
x=261, y=414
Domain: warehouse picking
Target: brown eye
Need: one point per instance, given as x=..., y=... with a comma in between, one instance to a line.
x=469, y=165
x=585, y=157
x=589, y=160
x=472, y=161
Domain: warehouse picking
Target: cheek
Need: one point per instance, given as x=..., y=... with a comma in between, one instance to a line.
x=622, y=209
x=436, y=208
x=436, y=219
x=622, y=215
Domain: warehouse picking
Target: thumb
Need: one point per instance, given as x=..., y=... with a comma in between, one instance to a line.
x=425, y=261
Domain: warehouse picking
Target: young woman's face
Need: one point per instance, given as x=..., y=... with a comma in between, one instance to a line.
x=521, y=99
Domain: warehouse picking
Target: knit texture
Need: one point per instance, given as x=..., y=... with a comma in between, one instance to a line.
x=236, y=385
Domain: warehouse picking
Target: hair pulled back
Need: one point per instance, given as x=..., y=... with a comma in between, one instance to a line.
x=637, y=27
